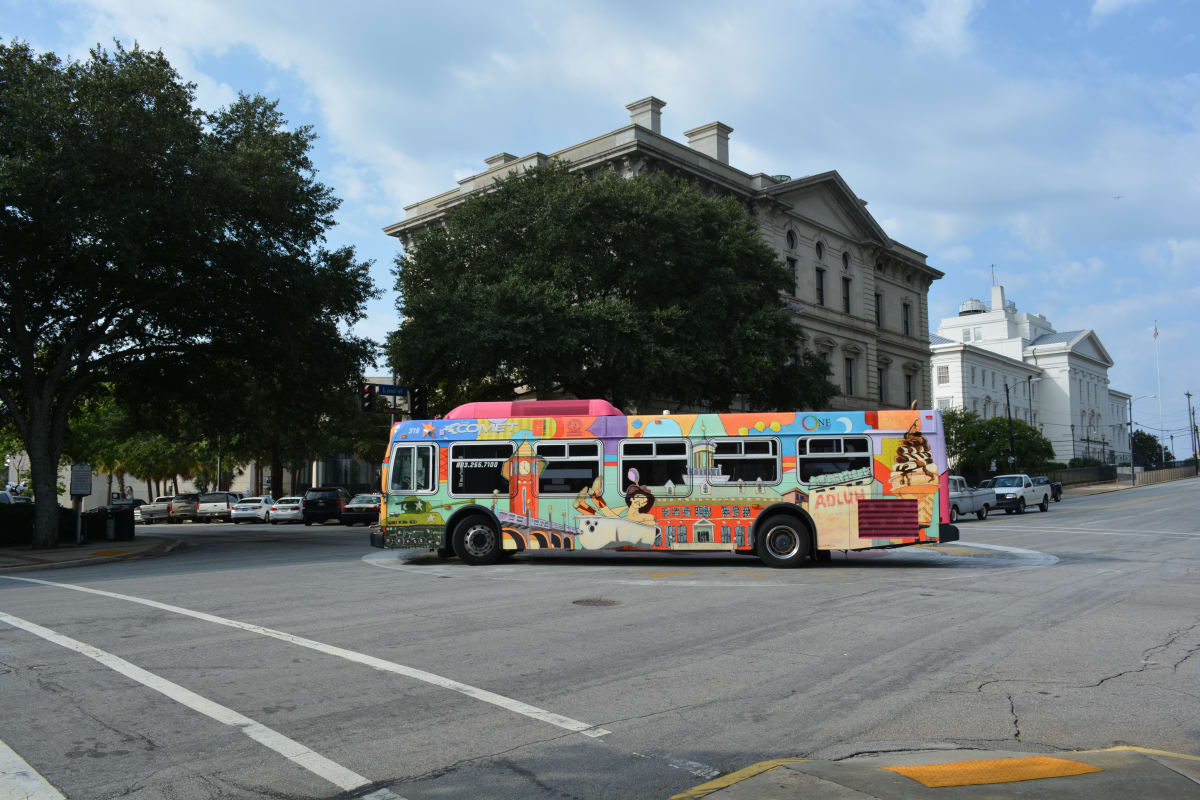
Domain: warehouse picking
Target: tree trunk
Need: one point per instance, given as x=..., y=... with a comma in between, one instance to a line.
x=108, y=495
x=276, y=472
x=43, y=468
x=121, y=483
x=175, y=483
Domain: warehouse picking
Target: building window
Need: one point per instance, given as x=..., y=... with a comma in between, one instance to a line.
x=820, y=251
x=791, y=267
x=791, y=240
x=846, y=295
x=879, y=380
x=908, y=390
x=966, y=334
x=906, y=317
x=943, y=375
x=845, y=260
x=972, y=376
x=979, y=334
x=849, y=364
x=820, y=284
x=945, y=403
x=878, y=310
x=993, y=379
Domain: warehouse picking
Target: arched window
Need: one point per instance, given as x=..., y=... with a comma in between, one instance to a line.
x=791, y=240
x=820, y=251
x=845, y=260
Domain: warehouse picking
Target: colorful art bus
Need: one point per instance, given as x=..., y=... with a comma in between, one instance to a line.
x=494, y=479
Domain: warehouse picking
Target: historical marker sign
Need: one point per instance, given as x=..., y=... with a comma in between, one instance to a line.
x=81, y=480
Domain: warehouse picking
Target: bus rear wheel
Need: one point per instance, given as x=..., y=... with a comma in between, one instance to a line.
x=783, y=541
x=476, y=541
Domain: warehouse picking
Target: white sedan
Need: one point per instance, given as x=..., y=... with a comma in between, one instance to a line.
x=286, y=509
x=252, y=509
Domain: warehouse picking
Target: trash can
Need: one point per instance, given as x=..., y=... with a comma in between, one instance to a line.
x=122, y=525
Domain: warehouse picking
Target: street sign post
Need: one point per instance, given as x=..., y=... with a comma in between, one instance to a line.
x=81, y=487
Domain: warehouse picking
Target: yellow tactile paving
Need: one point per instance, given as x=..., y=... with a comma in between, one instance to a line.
x=1003, y=770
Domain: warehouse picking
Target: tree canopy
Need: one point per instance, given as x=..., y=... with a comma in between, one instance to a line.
x=139, y=234
x=978, y=447
x=634, y=290
x=1148, y=451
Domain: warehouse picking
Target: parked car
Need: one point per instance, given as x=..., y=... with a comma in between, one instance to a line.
x=362, y=508
x=1014, y=493
x=216, y=506
x=1055, y=487
x=6, y=499
x=158, y=510
x=286, y=509
x=965, y=500
x=252, y=509
x=322, y=503
x=21, y=498
x=183, y=506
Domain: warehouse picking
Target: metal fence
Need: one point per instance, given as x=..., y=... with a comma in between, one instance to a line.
x=1152, y=476
x=1074, y=476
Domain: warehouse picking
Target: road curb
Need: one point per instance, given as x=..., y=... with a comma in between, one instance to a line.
x=163, y=547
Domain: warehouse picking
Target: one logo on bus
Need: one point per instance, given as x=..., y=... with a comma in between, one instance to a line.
x=813, y=423
x=483, y=426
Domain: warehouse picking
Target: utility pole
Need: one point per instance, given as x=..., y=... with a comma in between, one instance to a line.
x=1132, y=471
x=1192, y=425
x=1012, y=449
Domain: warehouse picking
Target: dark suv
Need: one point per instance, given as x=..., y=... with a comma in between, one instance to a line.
x=322, y=503
x=184, y=506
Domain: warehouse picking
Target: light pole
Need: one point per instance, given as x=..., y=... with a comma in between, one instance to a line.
x=1012, y=450
x=1029, y=382
x=1132, y=400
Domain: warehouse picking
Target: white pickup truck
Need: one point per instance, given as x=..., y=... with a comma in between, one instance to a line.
x=1014, y=493
x=157, y=511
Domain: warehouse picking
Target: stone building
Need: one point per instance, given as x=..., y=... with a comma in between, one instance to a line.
x=861, y=297
x=1058, y=382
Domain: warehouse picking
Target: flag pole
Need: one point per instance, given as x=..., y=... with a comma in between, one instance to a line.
x=1162, y=455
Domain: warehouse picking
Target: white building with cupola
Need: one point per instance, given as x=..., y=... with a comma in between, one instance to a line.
x=996, y=360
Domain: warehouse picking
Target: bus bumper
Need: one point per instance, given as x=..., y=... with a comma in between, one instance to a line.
x=947, y=533
x=428, y=538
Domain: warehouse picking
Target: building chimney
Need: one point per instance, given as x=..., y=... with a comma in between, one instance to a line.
x=500, y=159
x=647, y=112
x=997, y=298
x=711, y=139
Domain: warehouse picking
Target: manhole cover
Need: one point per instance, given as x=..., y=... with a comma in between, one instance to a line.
x=595, y=601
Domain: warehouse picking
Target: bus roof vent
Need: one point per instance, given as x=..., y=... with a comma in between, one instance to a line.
x=503, y=409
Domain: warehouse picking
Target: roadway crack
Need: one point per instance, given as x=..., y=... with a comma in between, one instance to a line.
x=1148, y=655
x=1012, y=709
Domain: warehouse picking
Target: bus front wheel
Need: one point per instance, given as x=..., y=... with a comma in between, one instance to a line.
x=476, y=541
x=783, y=542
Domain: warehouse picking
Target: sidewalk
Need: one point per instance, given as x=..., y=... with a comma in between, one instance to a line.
x=949, y=774
x=21, y=559
x=1095, y=488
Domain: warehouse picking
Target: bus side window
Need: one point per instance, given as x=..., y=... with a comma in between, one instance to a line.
x=401, y=470
x=660, y=464
x=827, y=455
x=476, y=469
x=569, y=467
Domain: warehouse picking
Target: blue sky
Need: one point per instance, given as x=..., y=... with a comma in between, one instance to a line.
x=1056, y=140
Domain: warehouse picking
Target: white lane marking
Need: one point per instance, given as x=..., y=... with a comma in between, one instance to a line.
x=506, y=703
x=315, y=763
x=1033, y=557
x=19, y=781
x=1109, y=532
x=691, y=767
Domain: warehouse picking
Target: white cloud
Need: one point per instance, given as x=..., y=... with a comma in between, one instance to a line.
x=1102, y=8
x=943, y=25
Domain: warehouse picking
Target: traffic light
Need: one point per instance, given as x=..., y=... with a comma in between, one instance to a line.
x=367, y=397
x=417, y=403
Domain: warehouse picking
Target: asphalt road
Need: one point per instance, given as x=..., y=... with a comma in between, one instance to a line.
x=284, y=662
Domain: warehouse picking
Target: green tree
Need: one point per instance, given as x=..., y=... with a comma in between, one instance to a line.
x=974, y=445
x=633, y=290
x=139, y=234
x=1148, y=452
